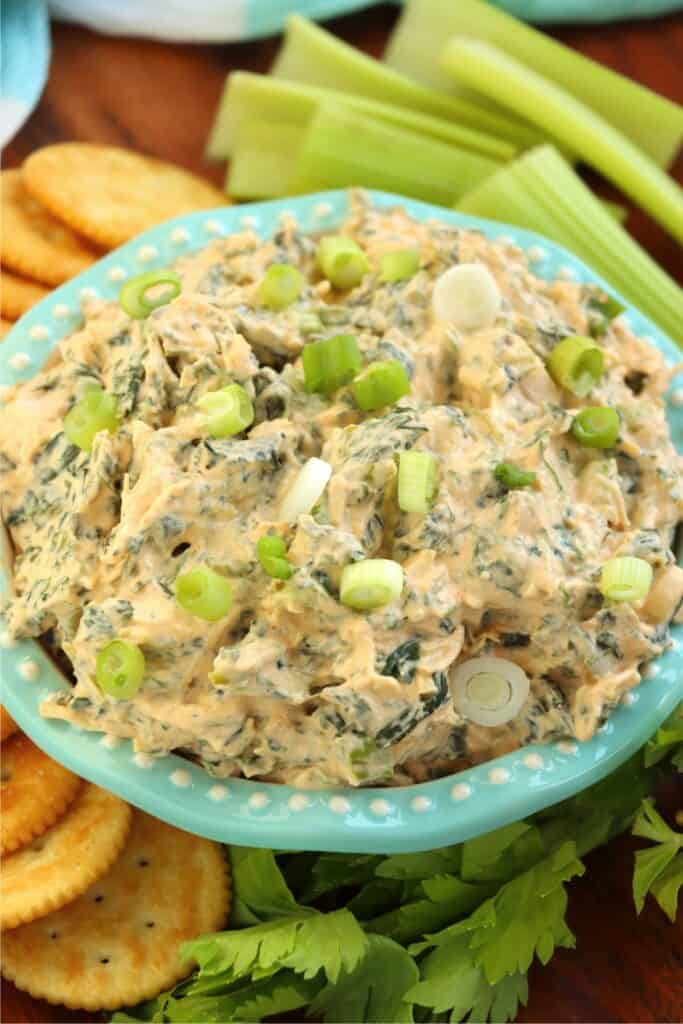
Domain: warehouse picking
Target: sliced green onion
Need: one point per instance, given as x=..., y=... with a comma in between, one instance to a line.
x=416, y=481
x=330, y=363
x=466, y=296
x=381, y=384
x=372, y=763
x=342, y=261
x=400, y=264
x=119, y=669
x=134, y=297
x=512, y=476
x=307, y=489
x=272, y=554
x=371, y=584
x=625, y=579
x=603, y=308
x=489, y=691
x=94, y=412
x=596, y=427
x=576, y=364
x=204, y=593
x=229, y=411
x=280, y=287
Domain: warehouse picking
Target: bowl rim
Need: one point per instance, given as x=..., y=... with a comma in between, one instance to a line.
x=368, y=820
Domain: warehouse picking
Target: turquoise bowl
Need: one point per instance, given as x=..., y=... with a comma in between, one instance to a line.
x=406, y=819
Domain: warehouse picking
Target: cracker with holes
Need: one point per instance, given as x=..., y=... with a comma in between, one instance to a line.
x=35, y=791
x=8, y=726
x=109, y=194
x=35, y=243
x=62, y=862
x=118, y=943
x=18, y=294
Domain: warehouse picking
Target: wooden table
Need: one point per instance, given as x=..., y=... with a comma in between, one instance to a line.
x=160, y=99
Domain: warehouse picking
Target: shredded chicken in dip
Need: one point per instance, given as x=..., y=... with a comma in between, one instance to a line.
x=291, y=685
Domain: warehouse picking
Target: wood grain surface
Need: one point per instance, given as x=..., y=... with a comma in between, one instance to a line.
x=160, y=99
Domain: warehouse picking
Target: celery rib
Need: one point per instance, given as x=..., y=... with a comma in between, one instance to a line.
x=541, y=192
x=652, y=122
x=247, y=95
x=566, y=119
x=343, y=148
x=312, y=56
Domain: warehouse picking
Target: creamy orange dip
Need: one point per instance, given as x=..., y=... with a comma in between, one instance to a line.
x=291, y=685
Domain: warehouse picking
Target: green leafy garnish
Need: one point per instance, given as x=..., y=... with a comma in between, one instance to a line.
x=659, y=869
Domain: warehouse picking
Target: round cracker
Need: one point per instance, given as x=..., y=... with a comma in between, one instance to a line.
x=118, y=943
x=5, y=326
x=109, y=194
x=8, y=726
x=34, y=791
x=18, y=294
x=33, y=242
x=66, y=859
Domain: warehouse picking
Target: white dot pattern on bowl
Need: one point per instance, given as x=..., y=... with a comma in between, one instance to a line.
x=213, y=227
x=298, y=802
x=629, y=699
x=61, y=311
x=181, y=778
x=39, y=333
x=259, y=800
x=117, y=274
x=218, y=793
x=650, y=671
x=380, y=808
x=567, y=272
x=677, y=398
x=29, y=670
x=339, y=805
x=537, y=254
x=248, y=222
x=147, y=253
x=19, y=361
x=6, y=640
x=567, y=747
x=87, y=293
x=143, y=760
x=533, y=761
x=421, y=804
x=179, y=236
x=321, y=210
x=461, y=791
x=287, y=215
x=110, y=741
x=498, y=776
x=506, y=240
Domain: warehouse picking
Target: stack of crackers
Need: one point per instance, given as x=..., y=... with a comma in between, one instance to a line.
x=95, y=896
x=70, y=203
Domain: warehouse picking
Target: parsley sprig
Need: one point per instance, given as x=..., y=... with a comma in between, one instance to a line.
x=447, y=935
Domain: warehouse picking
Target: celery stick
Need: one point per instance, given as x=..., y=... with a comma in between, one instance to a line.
x=493, y=73
x=248, y=95
x=615, y=210
x=343, y=147
x=312, y=56
x=541, y=192
x=651, y=121
x=264, y=159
